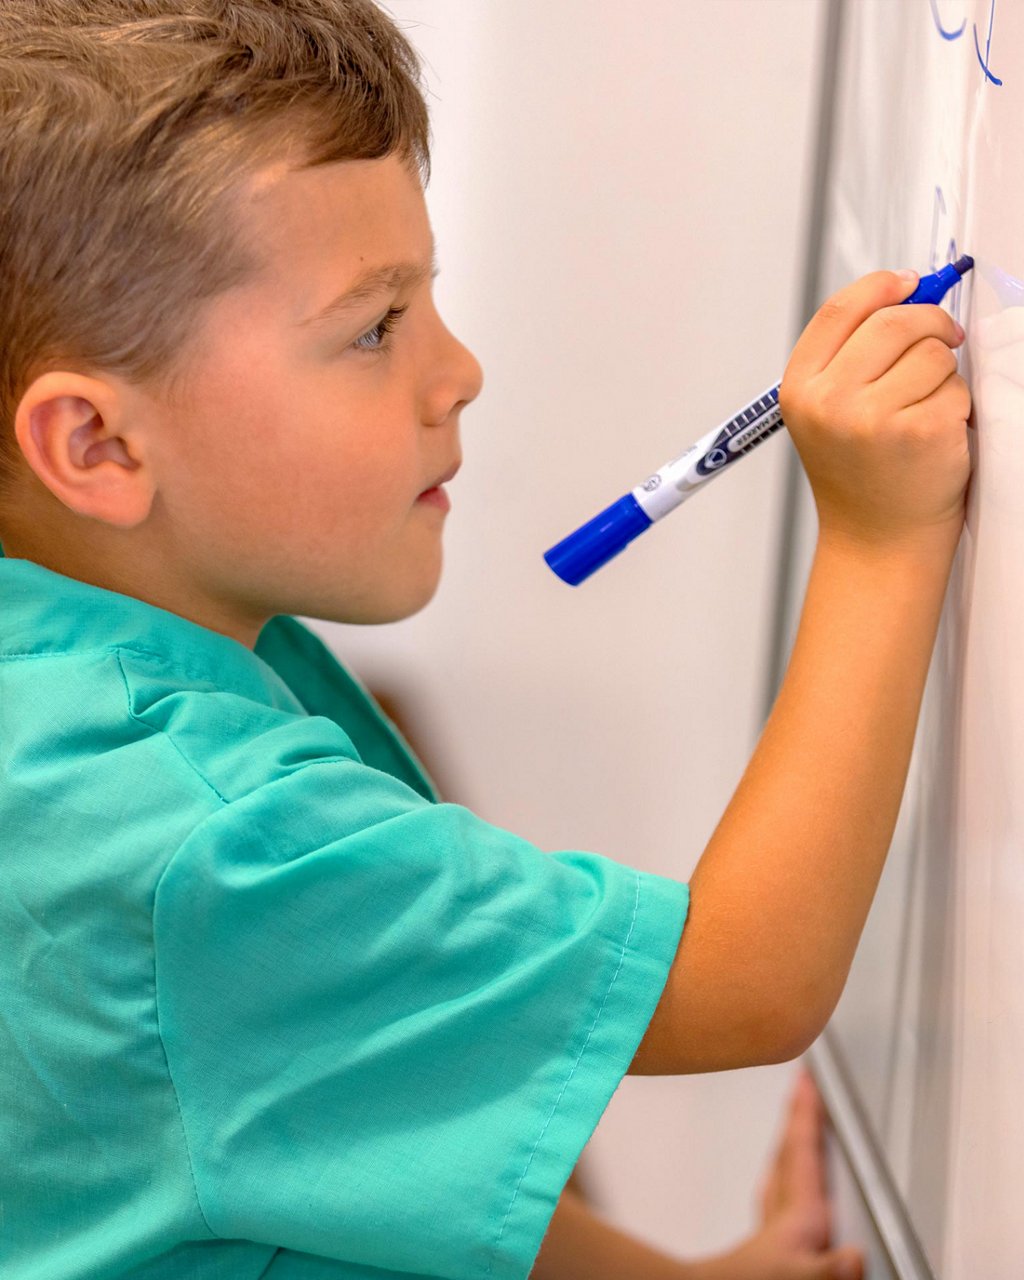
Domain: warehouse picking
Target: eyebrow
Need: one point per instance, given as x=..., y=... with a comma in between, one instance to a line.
x=397, y=275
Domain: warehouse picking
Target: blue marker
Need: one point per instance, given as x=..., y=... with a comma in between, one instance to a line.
x=582, y=553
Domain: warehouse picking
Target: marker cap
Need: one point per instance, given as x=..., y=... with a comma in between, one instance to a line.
x=934, y=288
x=596, y=542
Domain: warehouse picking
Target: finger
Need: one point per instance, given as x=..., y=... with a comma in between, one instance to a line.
x=806, y=1163
x=770, y=1198
x=841, y=1264
x=885, y=337
x=808, y=1088
x=805, y=1099
x=839, y=317
x=774, y=1192
x=950, y=400
x=804, y=1116
x=814, y=1174
x=917, y=373
x=799, y=1172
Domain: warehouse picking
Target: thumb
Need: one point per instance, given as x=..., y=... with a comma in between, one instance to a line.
x=840, y=1264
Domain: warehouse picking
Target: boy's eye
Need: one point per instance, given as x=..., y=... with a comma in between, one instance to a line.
x=378, y=338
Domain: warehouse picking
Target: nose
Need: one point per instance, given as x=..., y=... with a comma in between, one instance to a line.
x=459, y=380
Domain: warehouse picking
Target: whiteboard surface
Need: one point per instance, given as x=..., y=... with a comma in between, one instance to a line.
x=926, y=166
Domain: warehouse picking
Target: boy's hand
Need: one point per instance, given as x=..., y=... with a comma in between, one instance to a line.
x=878, y=414
x=794, y=1242
x=879, y=417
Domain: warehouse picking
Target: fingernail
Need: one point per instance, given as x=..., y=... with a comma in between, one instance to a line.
x=959, y=330
x=905, y=273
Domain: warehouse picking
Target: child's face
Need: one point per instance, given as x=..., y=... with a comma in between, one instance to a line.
x=303, y=478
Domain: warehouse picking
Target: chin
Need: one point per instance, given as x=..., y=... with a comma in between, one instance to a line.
x=404, y=601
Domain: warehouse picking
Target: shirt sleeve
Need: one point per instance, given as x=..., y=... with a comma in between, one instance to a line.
x=391, y=1026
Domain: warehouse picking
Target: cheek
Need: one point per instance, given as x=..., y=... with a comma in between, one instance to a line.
x=274, y=452
x=234, y=462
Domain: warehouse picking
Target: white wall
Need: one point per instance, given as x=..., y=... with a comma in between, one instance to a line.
x=619, y=197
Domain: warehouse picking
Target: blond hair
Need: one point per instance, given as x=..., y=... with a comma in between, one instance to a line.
x=128, y=127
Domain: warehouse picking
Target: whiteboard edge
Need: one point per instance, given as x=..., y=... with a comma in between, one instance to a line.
x=853, y=1131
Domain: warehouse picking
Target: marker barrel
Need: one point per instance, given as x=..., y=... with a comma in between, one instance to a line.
x=710, y=455
x=592, y=545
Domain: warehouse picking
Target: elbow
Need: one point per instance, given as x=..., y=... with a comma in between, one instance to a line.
x=787, y=1044
x=724, y=1007
x=778, y=1020
x=787, y=1028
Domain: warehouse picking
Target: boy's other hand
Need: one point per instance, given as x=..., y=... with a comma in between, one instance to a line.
x=878, y=414
x=795, y=1236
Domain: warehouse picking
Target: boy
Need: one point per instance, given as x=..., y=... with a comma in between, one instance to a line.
x=271, y=1009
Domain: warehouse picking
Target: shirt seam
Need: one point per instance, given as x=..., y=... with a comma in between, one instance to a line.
x=169, y=663
x=169, y=737
x=116, y=650
x=174, y=1090
x=78, y=652
x=19, y=655
x=565, y=1085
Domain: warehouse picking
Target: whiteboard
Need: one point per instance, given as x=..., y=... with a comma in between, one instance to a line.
x=924, y=165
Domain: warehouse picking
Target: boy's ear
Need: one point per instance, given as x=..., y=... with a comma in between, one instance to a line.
x=75, y=437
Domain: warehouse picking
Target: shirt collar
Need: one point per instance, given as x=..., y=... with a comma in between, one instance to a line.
x=46, y=612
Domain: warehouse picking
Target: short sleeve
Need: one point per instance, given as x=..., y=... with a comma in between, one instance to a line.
x=391, y=1026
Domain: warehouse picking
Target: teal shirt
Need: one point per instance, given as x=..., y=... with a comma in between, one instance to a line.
x=268, y=1009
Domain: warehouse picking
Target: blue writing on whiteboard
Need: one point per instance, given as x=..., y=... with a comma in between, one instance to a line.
x=938, y=204
x=950, y=249
x=988, y=45
x=946, y=35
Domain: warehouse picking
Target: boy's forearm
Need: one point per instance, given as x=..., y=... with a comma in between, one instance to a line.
x=781, y=894
x=579, y=1246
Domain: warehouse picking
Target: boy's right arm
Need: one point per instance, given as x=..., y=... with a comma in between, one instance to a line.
x=780, y=895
